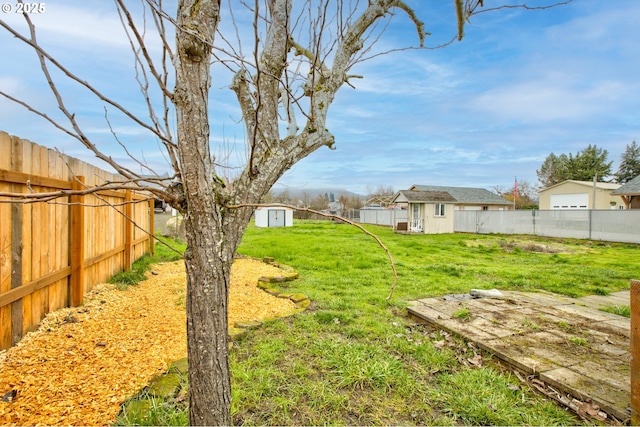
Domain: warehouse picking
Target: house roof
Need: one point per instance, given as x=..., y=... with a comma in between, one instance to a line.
x=600, y=185
x=413, y=196
x=466, y=195
x=630, y=188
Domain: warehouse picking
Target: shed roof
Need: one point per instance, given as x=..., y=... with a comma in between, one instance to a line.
x=466, y=195
x=413, y=196
x=630, y=188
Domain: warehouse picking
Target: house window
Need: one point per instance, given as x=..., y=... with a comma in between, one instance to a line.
x=485, y=208
x=440, y=209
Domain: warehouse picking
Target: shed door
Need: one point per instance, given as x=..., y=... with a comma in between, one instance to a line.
x=570, y=201
x=276, y=218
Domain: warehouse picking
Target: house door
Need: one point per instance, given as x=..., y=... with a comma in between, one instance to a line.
x=416, y=220
x=276, y=218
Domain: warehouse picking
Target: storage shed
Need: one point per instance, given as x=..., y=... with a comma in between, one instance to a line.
x=274, y=216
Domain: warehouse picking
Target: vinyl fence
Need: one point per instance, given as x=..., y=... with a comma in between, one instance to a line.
x=51, y=253
x=388, y=217
x=606, y=225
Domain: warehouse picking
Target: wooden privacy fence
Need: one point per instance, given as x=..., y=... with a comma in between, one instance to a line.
x=51, y=253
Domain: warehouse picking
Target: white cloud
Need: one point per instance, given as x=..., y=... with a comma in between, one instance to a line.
x=536, y=101
x=74, y=28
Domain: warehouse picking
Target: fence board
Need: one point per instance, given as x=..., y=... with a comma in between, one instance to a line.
x=27, y=170
x=60, y=291
x=5, y=277
x=40, y=304
x=5, y=246
x=59, y=250
x=16, y=245
x=16, y=271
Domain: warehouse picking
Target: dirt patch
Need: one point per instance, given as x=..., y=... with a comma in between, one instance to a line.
x=533, y=247
x=525, y=245
x=83, y=362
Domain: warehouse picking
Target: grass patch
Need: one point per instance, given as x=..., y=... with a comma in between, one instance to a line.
x=463, y=313
x=581, y=342
x=153, y=411
x=486, y=397
x=529, y=324
x=143, y=264
x=162, y=403
x=620, y=310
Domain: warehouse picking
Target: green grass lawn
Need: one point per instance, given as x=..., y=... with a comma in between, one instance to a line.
x=354, y=358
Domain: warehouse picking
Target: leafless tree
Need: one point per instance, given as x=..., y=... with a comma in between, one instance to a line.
x=300, y=55
x=526, y=194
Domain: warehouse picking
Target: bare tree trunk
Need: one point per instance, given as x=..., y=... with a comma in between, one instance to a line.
x=209, y=255
x=207, y=284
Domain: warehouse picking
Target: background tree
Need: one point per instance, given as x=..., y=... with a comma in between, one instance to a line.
x=554, y=170
x=583, y=166
x=319, y=203
x=299, y=55
x=350, y=202
x=629, y=164
x=527, y=197
x=589, y=163
x=283, y=197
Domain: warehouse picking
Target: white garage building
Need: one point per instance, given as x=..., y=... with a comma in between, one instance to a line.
x=573, y=194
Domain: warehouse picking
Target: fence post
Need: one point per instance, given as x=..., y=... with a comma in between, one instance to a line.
x=128, y=229
x=533, y=221
x=77, y=234
x=635, y=351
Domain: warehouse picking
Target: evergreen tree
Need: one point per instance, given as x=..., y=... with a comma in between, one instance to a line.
x=583, y=166
x=589, y=163
x=629, y=164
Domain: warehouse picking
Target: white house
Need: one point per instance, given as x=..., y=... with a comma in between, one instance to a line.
x=430, y=208
x=428, y=212
x=469, y=198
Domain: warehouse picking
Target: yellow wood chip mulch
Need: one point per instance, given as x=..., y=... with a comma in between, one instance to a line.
x=83, y=362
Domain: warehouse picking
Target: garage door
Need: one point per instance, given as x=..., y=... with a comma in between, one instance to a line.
x=570, y=201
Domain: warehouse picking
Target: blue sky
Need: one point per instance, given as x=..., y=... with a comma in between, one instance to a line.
x=478, y=113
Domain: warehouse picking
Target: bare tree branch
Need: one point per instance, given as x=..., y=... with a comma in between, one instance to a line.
x=42, y=54
x=161, y=79
x=519, y=6
x=133, y=185
x=122, y=9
